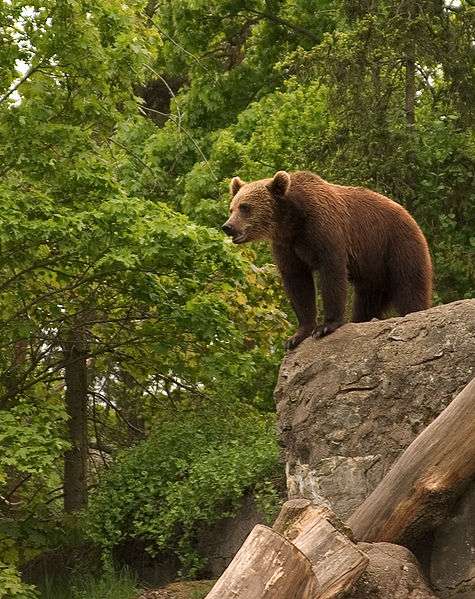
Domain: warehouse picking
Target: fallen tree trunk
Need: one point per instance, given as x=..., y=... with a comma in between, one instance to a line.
x=424, y=481
x=308, y=555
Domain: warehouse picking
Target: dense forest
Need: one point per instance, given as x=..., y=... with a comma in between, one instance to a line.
x=138, y=347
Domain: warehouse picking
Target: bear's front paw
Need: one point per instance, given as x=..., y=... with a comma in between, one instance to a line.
x=325, y=329
x=297, y=338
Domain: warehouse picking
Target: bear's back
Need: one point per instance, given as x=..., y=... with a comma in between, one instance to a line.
x=363, y=212
x=367, y=223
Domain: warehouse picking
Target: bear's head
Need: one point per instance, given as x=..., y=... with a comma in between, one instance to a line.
x=252, y=208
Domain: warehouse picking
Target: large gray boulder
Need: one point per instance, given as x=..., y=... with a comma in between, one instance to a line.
x=350, y=403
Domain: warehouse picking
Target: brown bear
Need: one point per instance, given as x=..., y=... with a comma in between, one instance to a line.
x=346, y=234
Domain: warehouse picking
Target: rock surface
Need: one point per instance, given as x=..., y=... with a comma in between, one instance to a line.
x=452, y=567
x=392, y=572
x=350, y=403
x=220, y=542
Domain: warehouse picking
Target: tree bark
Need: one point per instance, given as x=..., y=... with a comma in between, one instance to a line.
x=423, y=483
x=129, y=408
x=410, y=88
x=266, y=567
x=307, y=555
x=409, y=10
x=76, y=395
x=316, y=531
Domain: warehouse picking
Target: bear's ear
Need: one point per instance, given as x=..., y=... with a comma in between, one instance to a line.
x=235, y=186
x=280, y=183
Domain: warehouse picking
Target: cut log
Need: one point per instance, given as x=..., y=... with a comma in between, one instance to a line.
x=308, y=555
x=416, y=493
x=317, y=532
x=267, y=566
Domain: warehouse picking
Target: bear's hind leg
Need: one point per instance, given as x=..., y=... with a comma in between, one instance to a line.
x=410, y=278
x=410, y=300
x=412, y=287
x=368, y=304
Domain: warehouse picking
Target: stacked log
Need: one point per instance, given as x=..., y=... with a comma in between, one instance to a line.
x=304, y=556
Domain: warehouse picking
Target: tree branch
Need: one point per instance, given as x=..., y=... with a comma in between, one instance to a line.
x=284, y=23
x=20, y=81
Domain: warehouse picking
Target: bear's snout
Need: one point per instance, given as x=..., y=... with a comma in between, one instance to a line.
x=228, y=229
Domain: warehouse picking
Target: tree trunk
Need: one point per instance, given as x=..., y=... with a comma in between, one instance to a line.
x=416, y=493
x=316, y=531
x=410, y=87
x=76, y=458
x=307, y=555
x=130, y=408
x=409, y=9
x=266, y=567
x=410, y=111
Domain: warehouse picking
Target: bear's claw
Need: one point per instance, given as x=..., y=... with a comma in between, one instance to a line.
x=325, y=329
x=297, y=339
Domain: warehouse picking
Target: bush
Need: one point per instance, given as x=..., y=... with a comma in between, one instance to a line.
x=191, y=471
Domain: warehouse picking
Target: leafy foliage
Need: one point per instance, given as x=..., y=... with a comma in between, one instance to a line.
x=12, y=586
x=121, y=125
x=188, y=473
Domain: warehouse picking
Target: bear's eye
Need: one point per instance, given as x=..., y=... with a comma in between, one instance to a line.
x=245, y=208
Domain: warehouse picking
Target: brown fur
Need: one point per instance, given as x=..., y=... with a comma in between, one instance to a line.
x=344, y=233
